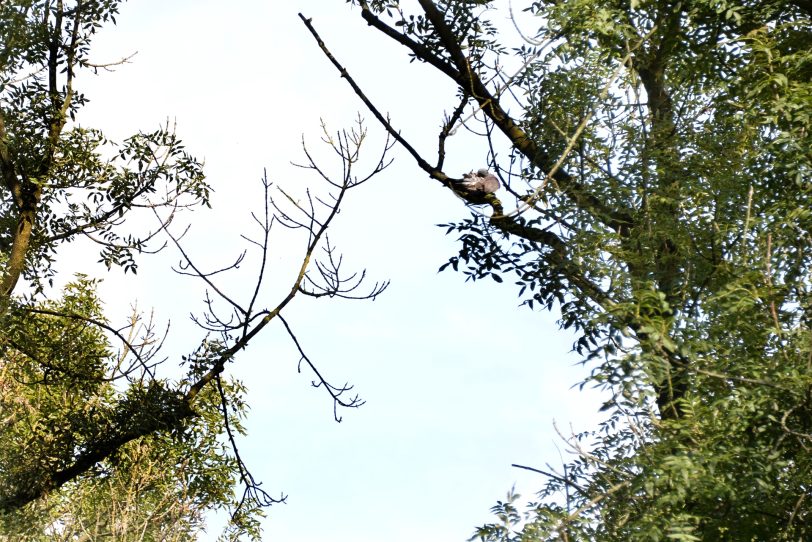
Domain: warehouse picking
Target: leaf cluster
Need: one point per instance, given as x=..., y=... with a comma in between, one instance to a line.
x=58, y=403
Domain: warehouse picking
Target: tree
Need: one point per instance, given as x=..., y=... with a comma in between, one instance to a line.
x=658, y=155
x=92, y=418
x=55, y=396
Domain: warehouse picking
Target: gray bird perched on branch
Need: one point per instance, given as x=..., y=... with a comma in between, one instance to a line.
x=481, y=182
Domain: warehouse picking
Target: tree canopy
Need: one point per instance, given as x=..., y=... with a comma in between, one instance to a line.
x=57, y=397
x=657, y=160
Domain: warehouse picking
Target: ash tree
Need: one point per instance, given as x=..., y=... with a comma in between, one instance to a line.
x=57, y=395
x=656, y=161
x=98, y=440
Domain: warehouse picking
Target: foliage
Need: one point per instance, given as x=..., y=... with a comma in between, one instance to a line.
x=59, y=171
x=55, y=397
x=659, y=158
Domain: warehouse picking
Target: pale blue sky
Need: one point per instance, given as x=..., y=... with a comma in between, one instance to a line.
x=447, y=411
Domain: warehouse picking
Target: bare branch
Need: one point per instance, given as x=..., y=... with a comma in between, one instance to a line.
x=424, y=165
x=335, y=391
x=252, y=492
x=148, y=368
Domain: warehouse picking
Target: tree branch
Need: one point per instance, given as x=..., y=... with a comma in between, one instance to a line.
x=498, y=219
x=617, y=220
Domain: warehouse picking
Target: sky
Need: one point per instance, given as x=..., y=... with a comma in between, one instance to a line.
x=459, y=381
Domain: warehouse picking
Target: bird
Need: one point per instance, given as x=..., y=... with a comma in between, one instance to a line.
x=482, y=182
